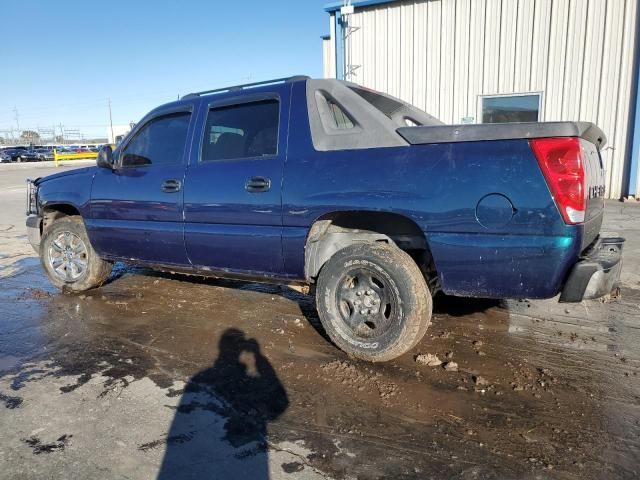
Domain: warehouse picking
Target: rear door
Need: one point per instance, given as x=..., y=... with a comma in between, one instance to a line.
x=232, y=204
x=136, y=209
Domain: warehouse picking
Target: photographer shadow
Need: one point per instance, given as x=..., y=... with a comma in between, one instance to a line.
x=220, y=426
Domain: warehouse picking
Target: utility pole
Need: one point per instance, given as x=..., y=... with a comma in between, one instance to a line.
x=61, y=132
x=346, y=13
x=16, y=116
x=111, y=122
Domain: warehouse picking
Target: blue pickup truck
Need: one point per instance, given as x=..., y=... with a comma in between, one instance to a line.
x=323, y=182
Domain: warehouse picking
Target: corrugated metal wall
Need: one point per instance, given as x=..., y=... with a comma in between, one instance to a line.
x=329, y=50
x=442, y=54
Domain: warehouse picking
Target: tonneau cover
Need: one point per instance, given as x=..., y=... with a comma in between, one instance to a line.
x=502, y=131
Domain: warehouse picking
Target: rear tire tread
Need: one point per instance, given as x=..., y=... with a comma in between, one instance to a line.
x=417, y=301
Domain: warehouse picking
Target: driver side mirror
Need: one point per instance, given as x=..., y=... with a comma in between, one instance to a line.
x=105, y=157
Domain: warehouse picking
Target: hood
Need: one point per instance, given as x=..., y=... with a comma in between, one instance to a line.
x=66, y=173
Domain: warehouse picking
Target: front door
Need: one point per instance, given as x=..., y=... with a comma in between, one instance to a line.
x=136, y=208
x=232, y=204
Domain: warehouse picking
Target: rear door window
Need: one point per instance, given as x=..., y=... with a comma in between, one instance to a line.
x=247, y=130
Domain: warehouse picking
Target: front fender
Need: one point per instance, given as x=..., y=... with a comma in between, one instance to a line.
x=72, y=189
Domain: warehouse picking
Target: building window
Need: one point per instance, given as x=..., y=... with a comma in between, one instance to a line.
x=510, y=108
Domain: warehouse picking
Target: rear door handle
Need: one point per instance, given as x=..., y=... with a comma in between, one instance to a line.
x=257, y=184
x=171, y=185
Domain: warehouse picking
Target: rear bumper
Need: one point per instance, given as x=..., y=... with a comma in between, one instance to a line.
x=597, y=271
x=33, y=231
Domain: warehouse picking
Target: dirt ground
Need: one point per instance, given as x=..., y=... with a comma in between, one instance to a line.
x=171, y=377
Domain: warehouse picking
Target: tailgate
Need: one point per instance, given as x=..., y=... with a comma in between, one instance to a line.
x=594, y=191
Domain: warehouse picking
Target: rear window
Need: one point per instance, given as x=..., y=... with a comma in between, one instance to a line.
x=385, y=104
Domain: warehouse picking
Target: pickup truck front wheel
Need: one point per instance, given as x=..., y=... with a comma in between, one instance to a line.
x=373, y=301
x=68, y=257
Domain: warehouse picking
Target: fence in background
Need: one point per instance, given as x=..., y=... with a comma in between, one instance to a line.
x=72, y=156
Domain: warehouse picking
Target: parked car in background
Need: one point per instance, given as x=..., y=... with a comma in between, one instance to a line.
x=65, y=149
x=21, y=155
x=29, y=155
x=322, y=182
x=43, y=154
x=4, y=157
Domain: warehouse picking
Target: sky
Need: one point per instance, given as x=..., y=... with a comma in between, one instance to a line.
x=61, y=61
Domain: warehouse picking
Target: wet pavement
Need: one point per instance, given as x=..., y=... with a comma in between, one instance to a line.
x=168, y=376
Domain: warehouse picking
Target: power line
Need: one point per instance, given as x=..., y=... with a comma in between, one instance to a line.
x=96, y=102
x=147, y=96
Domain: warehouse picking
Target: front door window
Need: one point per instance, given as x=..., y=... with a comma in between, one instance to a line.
x=159, y=142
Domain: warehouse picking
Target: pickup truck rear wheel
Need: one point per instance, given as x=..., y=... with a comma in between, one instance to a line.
x=373, y=301
x=68, y=257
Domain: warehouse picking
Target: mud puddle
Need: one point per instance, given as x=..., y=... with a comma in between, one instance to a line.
x=523, y=390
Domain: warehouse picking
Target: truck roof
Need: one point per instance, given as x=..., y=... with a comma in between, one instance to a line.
x=374, y=116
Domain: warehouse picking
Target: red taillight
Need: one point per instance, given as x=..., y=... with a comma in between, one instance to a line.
x=562, y=164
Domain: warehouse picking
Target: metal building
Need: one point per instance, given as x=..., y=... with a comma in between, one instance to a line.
x=474, y=61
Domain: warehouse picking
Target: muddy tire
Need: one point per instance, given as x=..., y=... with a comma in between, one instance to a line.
x=373, y=301
x=68, y=257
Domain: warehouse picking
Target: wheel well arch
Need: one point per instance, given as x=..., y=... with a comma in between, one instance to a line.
x=336, y=230
x=54, y=211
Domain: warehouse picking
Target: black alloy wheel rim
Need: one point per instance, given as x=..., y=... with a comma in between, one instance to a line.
x=366, y=302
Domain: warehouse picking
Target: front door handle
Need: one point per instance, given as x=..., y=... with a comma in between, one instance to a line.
x=257, y=184
x=171, y=185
